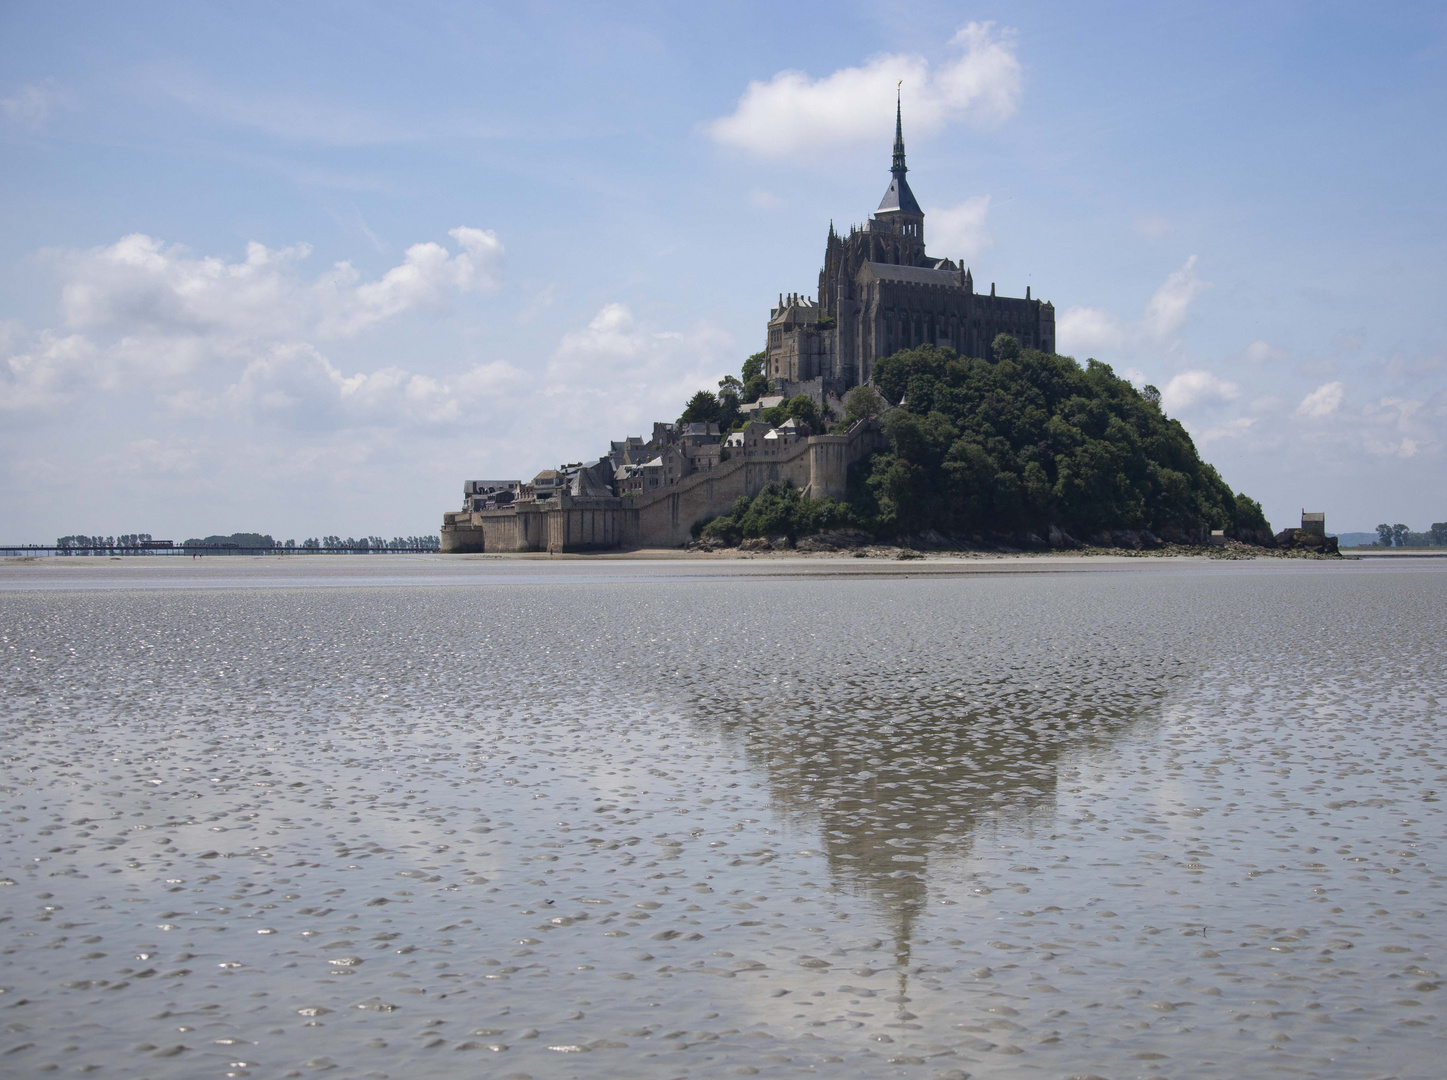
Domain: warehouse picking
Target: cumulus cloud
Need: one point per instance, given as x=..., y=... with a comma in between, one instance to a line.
x=1090, y=331
x=632, y=370
x=1323, y=401
x=1191, y=388
x=215, y=341
x=141, y=285
x=1393, y=427
x=428, y=274
x=960, y=231
x=144, y=314
x=44, y=373
x=792, y=114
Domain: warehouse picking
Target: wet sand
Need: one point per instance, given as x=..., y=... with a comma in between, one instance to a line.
x=1033, y=817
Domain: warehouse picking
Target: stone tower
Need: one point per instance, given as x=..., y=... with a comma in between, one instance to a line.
x=879, y=293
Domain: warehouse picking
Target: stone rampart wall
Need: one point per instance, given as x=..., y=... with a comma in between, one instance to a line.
x=818, y=465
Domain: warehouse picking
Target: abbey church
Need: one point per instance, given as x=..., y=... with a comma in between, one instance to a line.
x=880, y=293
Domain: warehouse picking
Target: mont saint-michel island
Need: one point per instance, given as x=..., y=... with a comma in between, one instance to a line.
x=901, y=402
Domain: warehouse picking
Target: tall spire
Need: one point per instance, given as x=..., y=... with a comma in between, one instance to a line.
x=898, y=167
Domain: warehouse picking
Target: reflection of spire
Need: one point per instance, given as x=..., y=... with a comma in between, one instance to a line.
x=898, y=168
x=906, y=912
x=895, y=783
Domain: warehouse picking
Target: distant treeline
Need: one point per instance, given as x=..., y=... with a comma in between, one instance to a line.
x=1402, y=536
x=244, y=541
x=265, y=542
x=124, y=542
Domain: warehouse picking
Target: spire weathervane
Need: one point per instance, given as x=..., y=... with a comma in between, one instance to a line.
x=898, y=168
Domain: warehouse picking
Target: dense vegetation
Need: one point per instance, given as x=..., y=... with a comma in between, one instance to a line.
x=992, y=449
x=1027, y=440
x=777, y=510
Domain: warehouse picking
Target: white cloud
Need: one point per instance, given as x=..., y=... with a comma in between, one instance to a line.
x=1169, y=305
x=139, y=285
x=1393, y=427
x=1323, y=401
x=427, y=276
x=1229, y=430
x=207, y=333
x=1088, y=331
x=765, y=200
x=174, y=371
x=960, y=231
x=1191, y=388
x=792, y=114
x=623, y=372
x=1259, y=353
x=32, y=105
x=48, y=372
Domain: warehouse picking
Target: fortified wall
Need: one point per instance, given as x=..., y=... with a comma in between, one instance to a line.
x=661, y=518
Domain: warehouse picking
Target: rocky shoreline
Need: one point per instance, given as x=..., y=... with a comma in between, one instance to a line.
x=1291, y=544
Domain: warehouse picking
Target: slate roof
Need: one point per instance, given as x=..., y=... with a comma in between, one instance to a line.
x=898, y=197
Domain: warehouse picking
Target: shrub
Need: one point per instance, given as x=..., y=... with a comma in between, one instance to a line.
x=777, y=510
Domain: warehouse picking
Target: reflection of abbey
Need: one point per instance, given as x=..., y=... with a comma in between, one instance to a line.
x=880, y=293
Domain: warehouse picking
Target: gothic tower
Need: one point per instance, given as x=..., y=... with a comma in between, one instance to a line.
x=879, y=293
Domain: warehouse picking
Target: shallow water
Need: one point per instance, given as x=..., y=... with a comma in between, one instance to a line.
x=1174, y=820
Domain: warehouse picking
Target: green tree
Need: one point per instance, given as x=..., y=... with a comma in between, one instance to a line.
x=1384, y=535
x=1030, y=440
x=1005, y=347
x=756, y=383
x=730, y=394
x=800, y=407
x=863, y=402
x=1439, y=533
x=777, y=510
x=1399, y=535
x=702, y=408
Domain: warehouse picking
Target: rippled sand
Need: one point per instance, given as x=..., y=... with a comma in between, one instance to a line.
x=516, y=818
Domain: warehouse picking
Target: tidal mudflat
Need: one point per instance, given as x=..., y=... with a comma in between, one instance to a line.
x=508, y=818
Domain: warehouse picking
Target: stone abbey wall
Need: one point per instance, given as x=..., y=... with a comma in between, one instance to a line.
x=819, y=465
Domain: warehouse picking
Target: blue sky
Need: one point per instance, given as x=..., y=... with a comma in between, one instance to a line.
x=304, y=268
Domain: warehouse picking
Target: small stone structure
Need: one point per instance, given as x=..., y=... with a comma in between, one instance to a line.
x=1310, y=537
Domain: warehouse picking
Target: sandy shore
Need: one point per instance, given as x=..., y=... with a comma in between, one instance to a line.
x=27, y=573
